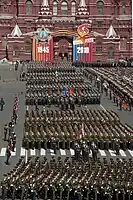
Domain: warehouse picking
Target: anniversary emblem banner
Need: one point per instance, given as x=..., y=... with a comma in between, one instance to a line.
x=83, y=52
x=83, y=44
x=42, y=46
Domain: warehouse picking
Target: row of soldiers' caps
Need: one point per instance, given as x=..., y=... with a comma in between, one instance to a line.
x=36, y=69
x=54, y=63
x=121, y=80
x=57, y=86
x=119, y=86
x=100, y=64
x=59, y=99
x=54, y=73
x=69, y=180
x=50, y=80
x=104, y=128
x=58, y=78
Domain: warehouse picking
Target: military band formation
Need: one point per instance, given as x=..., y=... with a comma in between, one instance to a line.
x=58, y=116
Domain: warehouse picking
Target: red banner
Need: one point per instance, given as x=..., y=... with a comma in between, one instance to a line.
x=43, y=51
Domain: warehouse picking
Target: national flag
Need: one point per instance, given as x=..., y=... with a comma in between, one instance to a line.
x=72, y=89
x=81, y=133
x=76, y=88
x=65, y=91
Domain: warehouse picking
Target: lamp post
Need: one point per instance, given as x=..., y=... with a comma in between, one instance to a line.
x=6, y=47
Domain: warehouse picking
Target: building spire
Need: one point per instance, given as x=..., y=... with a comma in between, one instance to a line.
x=45, y=3
x=82, y=9
x=111, y=32
x=82, y=3
x=45, y=10
x=16, y=32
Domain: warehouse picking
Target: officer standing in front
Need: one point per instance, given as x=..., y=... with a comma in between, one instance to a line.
x=5, y=132
x=8, y=154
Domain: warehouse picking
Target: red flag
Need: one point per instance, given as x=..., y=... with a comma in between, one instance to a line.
x=72, y=89
x=50, y=91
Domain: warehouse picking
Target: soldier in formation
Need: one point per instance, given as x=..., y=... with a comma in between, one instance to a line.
x=100, y=127
x=67, y=180
x=119, y=84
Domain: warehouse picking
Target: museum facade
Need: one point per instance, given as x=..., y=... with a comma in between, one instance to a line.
x=111, y=25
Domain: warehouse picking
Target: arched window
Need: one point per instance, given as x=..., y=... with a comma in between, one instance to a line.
x=28, y=7
x=16, y=51
x=55, y=9
x=3, y=42
x=28, y=46
x=64, y=8
x=123, y=44
x=99, y=48
x=123, y=7
x=73, y=8
x=100, y=5
x=111, y=53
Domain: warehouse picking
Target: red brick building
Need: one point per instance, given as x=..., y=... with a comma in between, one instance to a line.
x=111, y=18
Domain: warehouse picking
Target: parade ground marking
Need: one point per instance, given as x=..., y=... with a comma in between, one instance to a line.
x=3, y=152
x=22, y=153
x=112, y=153
x=131, y=152
x=13, y=153
x=32, y=152
x=122, y=153
x=52, y=152
x=72, y=152
x=62, y=152
x=102, y=107
x=43, y=152
x=102, y=153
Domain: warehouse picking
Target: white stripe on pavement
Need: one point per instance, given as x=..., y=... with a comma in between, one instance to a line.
x=32, y=152
x=62, y=152
x=102, y=107
x=52, y=152
x=102, y=152
x=3, y=152
x=13, y=153
x=112, y=153
x=131, y=152
x=122, y=153
x=72, y=152
x=22, y=153
x=43, y=152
